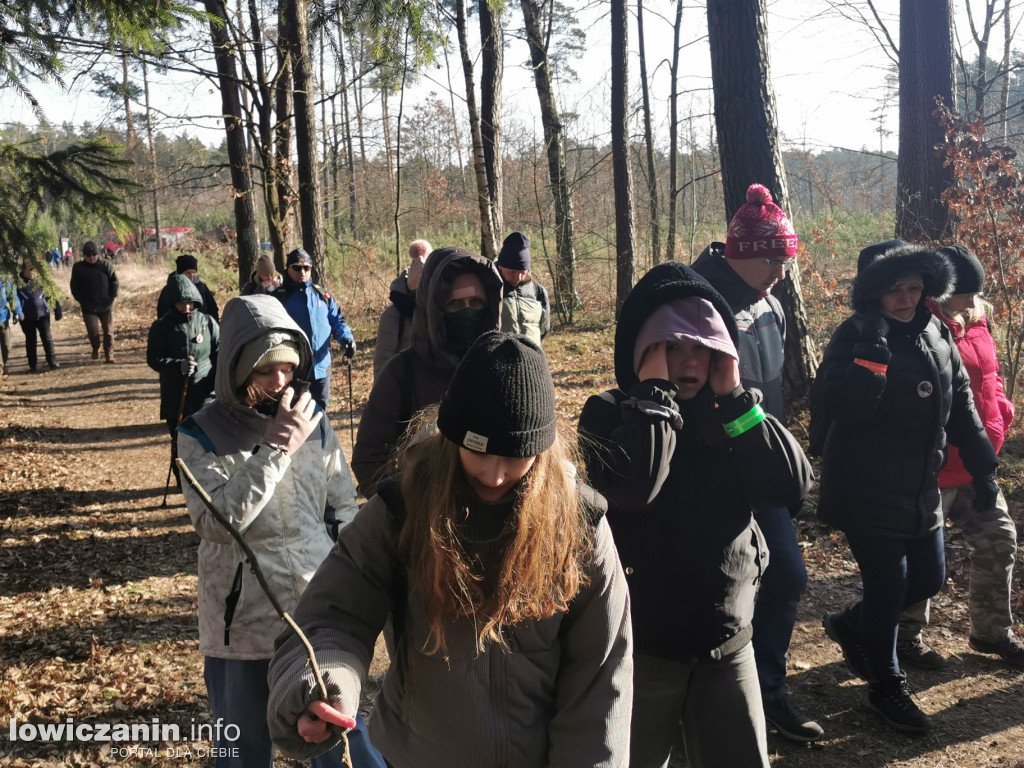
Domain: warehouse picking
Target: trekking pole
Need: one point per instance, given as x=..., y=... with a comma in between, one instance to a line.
x=351, y=405
x=181, y=413
x=254, y=566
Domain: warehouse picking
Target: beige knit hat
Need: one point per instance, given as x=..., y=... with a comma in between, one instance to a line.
x=269, y=349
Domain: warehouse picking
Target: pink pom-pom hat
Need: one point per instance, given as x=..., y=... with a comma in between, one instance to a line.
x=760, y=229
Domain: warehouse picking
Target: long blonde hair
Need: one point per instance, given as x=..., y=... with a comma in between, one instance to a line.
x=542, y=567
x=967, y=318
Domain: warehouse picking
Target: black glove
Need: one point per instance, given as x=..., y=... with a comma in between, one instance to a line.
x=350, y=348
x=189, y=367
x=985, y=492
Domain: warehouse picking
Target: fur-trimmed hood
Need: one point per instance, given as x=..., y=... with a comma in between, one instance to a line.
x=876, y=275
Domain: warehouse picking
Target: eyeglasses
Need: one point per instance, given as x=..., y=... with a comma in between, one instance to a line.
x=301, y=267
x=786, y=265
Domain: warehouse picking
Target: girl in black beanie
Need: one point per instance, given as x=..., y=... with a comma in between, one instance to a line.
x=512, y=641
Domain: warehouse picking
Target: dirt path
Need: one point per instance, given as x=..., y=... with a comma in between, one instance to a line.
x=97, y=578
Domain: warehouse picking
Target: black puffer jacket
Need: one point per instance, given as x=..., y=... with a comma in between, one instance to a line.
x=681, y=498
x=885, y=433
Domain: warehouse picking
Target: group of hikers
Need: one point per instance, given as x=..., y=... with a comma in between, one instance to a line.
x=550, y=598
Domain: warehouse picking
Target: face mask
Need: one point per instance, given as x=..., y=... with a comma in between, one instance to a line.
x=463, y=327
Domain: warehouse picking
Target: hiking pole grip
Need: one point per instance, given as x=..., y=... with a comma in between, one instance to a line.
x=257, y=571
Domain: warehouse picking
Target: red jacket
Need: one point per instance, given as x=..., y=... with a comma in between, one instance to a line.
x=978, y=352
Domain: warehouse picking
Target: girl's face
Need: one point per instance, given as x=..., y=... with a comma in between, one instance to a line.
x=272, y=379
x=962, y=302
x=900, y=302
x=492, y=476
x=688, y=364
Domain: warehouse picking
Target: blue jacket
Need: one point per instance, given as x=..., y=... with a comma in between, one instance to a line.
x=319, y=317
x=7, y=293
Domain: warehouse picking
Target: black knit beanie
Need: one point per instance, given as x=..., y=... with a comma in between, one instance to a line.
x=501, y=399
x=969, y=275
x=515, y=252
x=186, y=262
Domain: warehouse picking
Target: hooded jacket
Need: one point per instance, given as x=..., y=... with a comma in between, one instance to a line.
x=560, y=696
x=418, y=375
x=94, y=286
x=165, y=302
x=885, y=432
x=978, y=353
x=319, y=317
x=394, y=329
x=175, y=337
x=277, y=501
x=761, y=324
x=681, y=493
x=32, y=302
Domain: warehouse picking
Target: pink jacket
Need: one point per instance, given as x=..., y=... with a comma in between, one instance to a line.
x=978, y=351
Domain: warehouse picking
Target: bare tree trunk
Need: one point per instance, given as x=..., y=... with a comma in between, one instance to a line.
x=652, y=178
x=386, y=118
x=748, y=148
x=247, y=240
x=565, y=277
x=152, y=156
x=673, y=135
x=483, y=194
x=492, y=57
x=283, y=170
x=1004, y=93
x=310, y=210
x=132, y=202
x=347, y=127
x=398, y=156
x=926, y=71
x=620, y=153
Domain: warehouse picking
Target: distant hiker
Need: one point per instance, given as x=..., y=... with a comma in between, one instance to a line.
x=990, y=533
x=275, y=468
x=35, y=319
x=524, y=305
x=68, y=258
x=687, y=457
x=508, y=602
x=319, y=317
x=187, y=265
x=394, y=329
x=182, y=348
x=94, y=286
x=889, y=390
x=759, y=248
x=459, y=297
x=10, y=314
x=264, y=279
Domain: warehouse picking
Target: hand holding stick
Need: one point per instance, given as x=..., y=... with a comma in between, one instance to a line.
x=258, y=573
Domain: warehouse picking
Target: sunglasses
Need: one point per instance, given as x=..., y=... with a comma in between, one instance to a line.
x=786, y=265
x=301, y=267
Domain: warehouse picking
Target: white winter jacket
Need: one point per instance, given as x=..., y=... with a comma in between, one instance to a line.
x=276, y=501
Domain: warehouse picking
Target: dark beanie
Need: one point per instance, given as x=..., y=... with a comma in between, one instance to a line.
x=515, y=252
x=969, y=275
x=298, y=256
x=501, y=399
x=89, y=249
x=872, y=252
x=186, y=262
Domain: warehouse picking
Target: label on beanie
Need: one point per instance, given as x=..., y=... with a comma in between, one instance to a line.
x=475, y=442
x=771, y=244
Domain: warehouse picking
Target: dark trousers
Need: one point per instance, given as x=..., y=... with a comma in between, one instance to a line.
x=100, y=328
x=5, y=343
x=896, y=573
x=40, y=326
x=320, y=389
x=782, y=586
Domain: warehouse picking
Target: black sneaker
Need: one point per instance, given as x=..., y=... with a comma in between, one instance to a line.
x=849, y=642
x=890, y=698
x=1010, y=649
x=917, y=653
x=790, y=721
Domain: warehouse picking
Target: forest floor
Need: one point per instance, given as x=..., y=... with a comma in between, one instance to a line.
x=98, y=585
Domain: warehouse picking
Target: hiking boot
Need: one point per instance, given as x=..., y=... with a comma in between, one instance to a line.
x=917, y=653
x=110, y=357
x=848, y=640
x=790, y=721
x=53, y=365
x=95, y=354
x=890, y=698
x=1010, y=649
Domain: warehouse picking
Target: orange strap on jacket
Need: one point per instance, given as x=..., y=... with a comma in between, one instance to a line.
x=873, y=367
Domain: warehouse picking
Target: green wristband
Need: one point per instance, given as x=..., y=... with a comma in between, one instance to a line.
x=747, y=421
